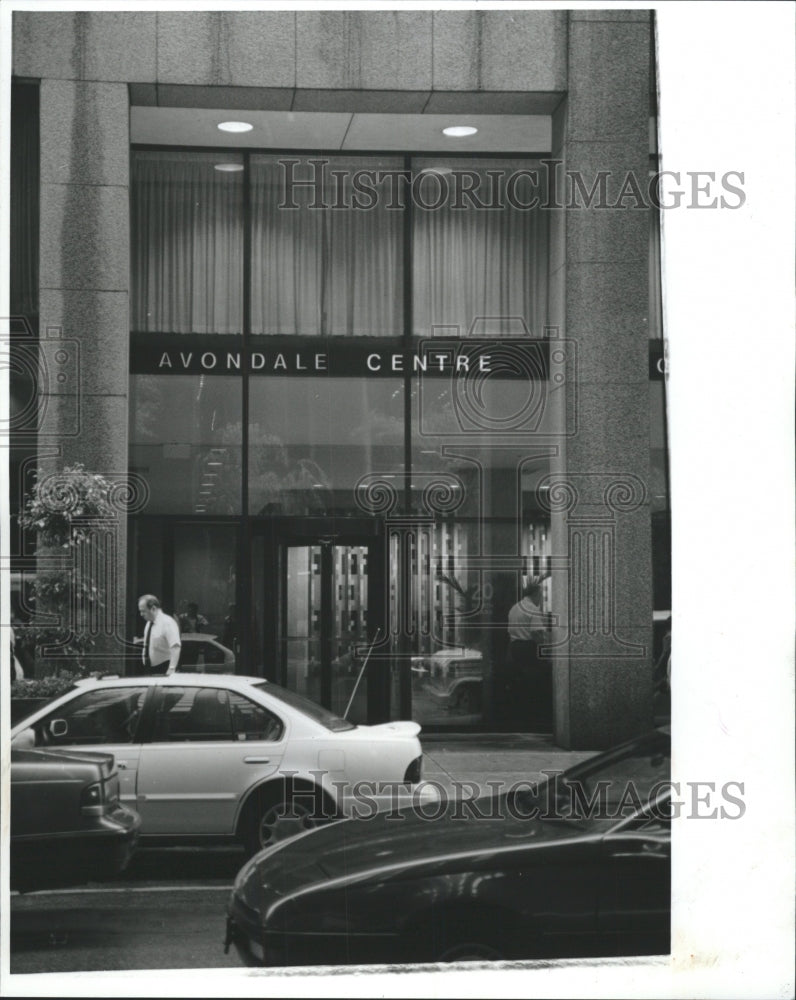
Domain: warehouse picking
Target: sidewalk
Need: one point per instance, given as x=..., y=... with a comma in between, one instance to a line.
x=452, y=758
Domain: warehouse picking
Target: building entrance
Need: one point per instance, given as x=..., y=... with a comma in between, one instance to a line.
x=329, y=608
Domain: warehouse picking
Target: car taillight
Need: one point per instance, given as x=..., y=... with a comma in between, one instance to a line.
x=92, y=799
x=413, y=772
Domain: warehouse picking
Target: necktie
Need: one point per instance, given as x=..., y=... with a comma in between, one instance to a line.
x=147, y=660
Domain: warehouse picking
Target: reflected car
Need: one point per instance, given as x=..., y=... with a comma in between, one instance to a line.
x=67, y=823
x=200, y=652
x=454, y=676
x=204, y=654
x=579, y=866
x=225, y=756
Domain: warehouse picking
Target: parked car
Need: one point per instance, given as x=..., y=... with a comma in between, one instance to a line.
x=507, y=883
x=67, y=823
x=206, y=755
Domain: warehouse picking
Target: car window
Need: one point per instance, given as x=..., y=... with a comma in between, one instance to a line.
x=654, y=825
x=648, y=826
x=108, y=715
x=187, y=714
x=253, y=722
x=322, y=715
x=192, y=713
x=609, y=788
x=624, y=782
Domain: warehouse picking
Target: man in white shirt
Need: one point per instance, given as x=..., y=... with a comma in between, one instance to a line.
x=161, y=637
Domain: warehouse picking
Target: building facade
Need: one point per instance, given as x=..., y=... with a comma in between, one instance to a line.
x=359, y=380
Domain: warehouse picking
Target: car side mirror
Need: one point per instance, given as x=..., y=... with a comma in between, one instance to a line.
x=26, y=740
x=58, y=728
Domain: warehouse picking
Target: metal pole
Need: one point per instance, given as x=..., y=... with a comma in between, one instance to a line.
x=361, y=672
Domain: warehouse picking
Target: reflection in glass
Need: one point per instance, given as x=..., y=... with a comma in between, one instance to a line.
x=326, y=596
x=185, y=441
x=349, y=620
x=312, y=439
x=302, y=638
x=204, y=574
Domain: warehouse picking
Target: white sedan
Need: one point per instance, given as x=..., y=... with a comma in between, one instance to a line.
x=203, y=755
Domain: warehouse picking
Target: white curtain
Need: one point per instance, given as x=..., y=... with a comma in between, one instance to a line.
x=324, y=271
x=334, y=271
x=187, y=243
x=479, y=270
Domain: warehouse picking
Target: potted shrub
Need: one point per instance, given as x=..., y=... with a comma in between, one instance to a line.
x=63, y=512
x=28, y=693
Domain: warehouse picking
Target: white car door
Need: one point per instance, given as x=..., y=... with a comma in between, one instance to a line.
x=103, y=719
x=209, y=745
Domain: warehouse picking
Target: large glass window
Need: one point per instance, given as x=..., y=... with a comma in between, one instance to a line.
x=187, y=242
x=185, y=441
x=479, y=249
x=325, y=260
x=329, y=243
x=189, y=563
x=204, y=578
x=311, y=440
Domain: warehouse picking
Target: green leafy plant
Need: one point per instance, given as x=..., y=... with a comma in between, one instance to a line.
x=43, y=687
x=63, y=512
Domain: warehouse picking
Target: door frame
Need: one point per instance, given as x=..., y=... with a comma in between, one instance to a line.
x=271, y=538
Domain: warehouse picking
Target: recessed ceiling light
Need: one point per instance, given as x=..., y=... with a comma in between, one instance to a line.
x=457, y=130
x=235, y=126
x=228, y=168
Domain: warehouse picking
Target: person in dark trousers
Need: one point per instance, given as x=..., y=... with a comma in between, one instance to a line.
x=162, y=643
x=230, y=634
x=530, y=681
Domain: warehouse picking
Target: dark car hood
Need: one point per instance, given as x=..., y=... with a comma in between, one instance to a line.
x=26, y=762
x=390, y=844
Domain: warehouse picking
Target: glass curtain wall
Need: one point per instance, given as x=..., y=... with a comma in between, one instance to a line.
x=320, y=264
x=186, y=227
x=292, y=258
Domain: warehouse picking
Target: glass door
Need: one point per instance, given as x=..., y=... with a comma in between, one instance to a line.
x=302, y=623
x=328, y=591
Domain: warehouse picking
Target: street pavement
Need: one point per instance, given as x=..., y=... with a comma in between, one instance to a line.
x=457, y=762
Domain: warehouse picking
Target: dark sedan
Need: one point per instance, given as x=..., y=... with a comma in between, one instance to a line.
x=67, y=824
x=579, y=866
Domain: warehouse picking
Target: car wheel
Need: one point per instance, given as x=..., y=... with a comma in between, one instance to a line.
x=277, y=821
x=470, y=937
